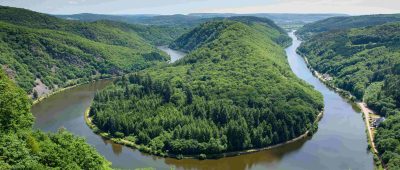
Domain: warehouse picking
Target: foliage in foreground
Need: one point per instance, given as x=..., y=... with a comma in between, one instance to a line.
x=234, y=91
x=23, y=148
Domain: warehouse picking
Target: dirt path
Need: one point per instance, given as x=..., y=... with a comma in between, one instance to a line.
x=366, y=112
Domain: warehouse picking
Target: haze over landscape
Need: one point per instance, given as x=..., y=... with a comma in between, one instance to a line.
x=200, y=84
x=353, y=7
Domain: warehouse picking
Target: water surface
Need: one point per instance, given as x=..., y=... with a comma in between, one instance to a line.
x=340, y=142
x=174, y=54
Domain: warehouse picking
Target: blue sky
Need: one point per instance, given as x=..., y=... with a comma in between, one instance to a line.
x=207, y=6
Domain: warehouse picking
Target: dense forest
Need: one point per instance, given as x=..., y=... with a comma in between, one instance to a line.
x=233, y=91
x=344, y=22
x=24, y=148
x=365, y=62
x=38, y=47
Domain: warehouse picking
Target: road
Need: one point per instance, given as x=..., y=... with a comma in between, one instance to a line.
x=366, y=112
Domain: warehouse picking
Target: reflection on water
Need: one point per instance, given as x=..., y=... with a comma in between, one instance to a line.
x=268, y=158
x=174, y=54
x=116, y=148
x=340, y=142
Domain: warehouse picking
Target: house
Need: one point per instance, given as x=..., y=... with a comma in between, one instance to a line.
x=327, y=77
x=378, y=121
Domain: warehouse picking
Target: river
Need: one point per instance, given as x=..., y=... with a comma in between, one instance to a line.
x=174, y=54
x=340, y=142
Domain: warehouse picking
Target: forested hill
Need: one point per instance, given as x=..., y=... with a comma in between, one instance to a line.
x=345, y=22
x=233, y=91
x=210, y=31
x=106, y=31
x=23, y=148
x=366, y=62
x=37, y=48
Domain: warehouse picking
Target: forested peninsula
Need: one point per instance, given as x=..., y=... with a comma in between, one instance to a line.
x=366, y=62
x=233, y=91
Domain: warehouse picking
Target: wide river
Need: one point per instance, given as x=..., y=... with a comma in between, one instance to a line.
x=340, y=142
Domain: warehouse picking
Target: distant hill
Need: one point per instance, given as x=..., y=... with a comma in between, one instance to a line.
x=345, y=22
x=182, y=20
x=39, y=49
x=278, y=18
x=194, y=19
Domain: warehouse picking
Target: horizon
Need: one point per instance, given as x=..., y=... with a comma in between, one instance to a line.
x=201, y=13
x=173, y=7
x=221, y=13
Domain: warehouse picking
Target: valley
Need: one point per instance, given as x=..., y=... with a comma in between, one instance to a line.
x=198, y=90
x=330, y=134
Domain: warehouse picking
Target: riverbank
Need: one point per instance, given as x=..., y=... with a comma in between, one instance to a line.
x=360, y=105
x=366, y=111
x=59, y=90
x=371, y=133
x=345, y=94
x=145, y=149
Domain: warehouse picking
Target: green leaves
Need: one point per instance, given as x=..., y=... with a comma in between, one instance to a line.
x=14, y=107
x=22, y=148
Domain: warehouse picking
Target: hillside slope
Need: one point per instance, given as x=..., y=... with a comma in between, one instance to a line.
x=23, y=148
x=199, y=36
x=365, y=62
x=37, y=48
x=345, y=22
x=233, y=91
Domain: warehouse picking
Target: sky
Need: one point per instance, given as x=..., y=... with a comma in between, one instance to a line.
x=352, y=7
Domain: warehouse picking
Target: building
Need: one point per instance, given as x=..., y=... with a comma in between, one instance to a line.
x=378, y=121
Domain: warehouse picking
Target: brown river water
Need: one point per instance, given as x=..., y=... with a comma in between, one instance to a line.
x=340, y=143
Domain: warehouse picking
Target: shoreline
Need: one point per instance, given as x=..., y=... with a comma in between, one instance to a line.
x=366, y=111
x=145, y=149
x=343, y=93
x=360, y=104
x=59, y=90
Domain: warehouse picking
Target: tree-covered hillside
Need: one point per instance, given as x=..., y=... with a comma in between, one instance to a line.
x=176, y=19
x=23, y=148
x=199, y=36
x=365, y=62
x=233, y=91
x=344, y=22
x=37, y=46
